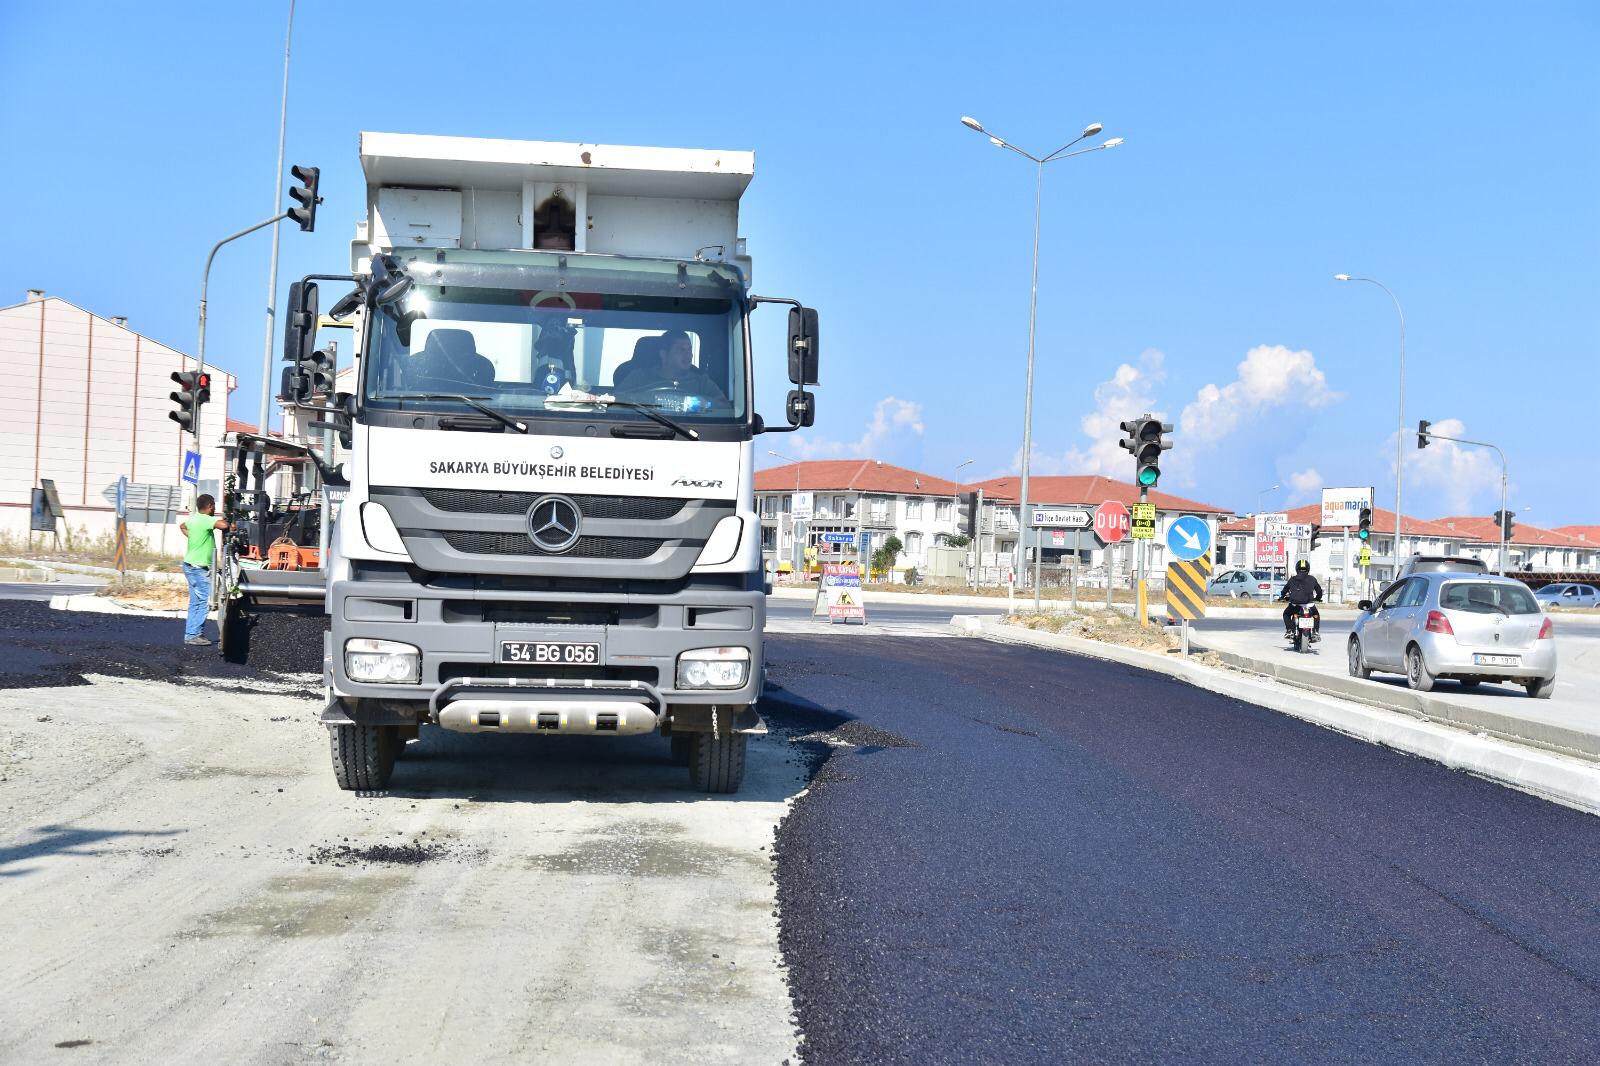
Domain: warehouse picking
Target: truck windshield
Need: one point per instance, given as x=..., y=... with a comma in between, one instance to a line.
x=560, y=353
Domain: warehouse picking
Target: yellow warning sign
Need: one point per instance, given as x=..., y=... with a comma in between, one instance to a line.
x=1186, y=587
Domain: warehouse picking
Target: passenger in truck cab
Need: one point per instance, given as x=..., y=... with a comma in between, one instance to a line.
x=677, y=369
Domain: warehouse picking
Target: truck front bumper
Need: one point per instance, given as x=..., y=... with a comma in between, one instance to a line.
x=459, y=633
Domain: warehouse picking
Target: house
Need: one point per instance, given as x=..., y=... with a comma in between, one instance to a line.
x=86, y=403
x=848, y=498
x=1528, y=548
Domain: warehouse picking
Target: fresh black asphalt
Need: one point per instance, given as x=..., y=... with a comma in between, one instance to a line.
x=1066, y=860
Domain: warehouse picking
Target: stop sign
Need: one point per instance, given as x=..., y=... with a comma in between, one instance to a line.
x=1111, y=521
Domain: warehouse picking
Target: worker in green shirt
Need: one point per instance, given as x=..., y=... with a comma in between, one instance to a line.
x=200, y=528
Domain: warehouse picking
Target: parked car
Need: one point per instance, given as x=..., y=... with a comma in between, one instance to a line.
x=1245, y=584
x=1566, y=595
x=1442, y=564
x=1467, y=627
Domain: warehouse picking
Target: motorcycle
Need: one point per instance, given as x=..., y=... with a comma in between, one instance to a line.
x=1304, y=626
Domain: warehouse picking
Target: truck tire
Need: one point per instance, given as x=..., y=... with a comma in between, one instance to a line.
x=363, y=755
x=682, y=750
x=716, y=764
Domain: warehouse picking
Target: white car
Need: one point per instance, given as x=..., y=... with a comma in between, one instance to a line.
x=1564, y=595
x=1467, y=627
x=1245, y=584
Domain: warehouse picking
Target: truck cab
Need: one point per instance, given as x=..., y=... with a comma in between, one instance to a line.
x=549, y=526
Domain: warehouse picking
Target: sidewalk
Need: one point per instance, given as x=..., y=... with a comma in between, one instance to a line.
x=1024, y=602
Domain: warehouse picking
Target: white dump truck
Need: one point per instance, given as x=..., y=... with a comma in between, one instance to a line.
x=549, y=521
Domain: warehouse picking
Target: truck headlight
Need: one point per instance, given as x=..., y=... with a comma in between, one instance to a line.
x=381, y=662
x=713, y=668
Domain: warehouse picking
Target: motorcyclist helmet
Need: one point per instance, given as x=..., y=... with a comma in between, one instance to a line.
x=1302, y=567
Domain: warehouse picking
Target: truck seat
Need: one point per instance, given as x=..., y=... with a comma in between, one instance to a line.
x=450, y=361
x=646, y=361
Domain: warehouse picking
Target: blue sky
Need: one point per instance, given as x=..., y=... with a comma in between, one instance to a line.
x=1448, y=149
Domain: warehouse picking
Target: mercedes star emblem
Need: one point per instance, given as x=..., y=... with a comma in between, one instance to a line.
x=553, y=523
x=557, y=452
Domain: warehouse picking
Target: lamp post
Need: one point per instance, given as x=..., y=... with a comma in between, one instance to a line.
x=1400, y=422
x=794, y=523
x=272, y=270
x=1263, y=492
x=1090, y=130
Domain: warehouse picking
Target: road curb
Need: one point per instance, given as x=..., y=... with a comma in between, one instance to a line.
x=1549, y=774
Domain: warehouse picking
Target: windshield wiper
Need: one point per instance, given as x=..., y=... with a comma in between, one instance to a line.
x=473, y=401
x=633, y=405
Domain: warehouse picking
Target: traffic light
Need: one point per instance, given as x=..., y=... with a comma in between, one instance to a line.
x=1503, y=521
x=1146, y=442
x=968, y=508
x=1422, y=433
x=1364, y=524
x=1316, y=531
x=319, y=371
x=194, y=390
x=305, y=194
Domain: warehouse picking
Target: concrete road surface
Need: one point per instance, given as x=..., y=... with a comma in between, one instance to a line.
x=1576, y=700
x=42, y=591
x=181, y=881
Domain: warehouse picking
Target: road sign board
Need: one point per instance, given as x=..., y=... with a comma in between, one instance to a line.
x=1062, y=518
x=1186, y=586
x=1111, y=521
x=1366, y=556
x=122, y=496
x=1143, y=526
x=191, y=468
x=1270, y=552
x=839, y=594
x=1188, y=537
x=838, y=538
x=1342, y=507
x=800, y=507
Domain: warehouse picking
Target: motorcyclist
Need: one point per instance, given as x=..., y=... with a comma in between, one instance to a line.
x=1300, y=589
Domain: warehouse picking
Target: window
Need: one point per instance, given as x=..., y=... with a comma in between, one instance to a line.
x=914, y=507
x=880, y=510
x=769, y=506
x=838, y=508
x=1416, y=591
x=769, y=538
x=788, y=504
x=913, y=543
x=1484, y=597
x=1391, y=598
x=941, y=511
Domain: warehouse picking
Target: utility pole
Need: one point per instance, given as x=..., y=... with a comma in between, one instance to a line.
x=272, y=271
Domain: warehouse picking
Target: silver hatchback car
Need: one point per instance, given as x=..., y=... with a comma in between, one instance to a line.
x=1468, y=627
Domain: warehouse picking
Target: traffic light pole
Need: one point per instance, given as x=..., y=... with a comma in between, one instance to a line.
x=1504, y=522
x=205, y=285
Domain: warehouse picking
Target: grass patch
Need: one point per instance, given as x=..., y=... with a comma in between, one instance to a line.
x=78, y=546
x=1110, y=627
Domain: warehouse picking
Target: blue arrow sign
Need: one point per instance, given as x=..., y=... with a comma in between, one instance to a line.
x=1188, y=537
x=838, y=538
x=122, y=496
x=191, y=468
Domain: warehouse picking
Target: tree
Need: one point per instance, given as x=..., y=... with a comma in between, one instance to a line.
x=884, y=557
x=957, y=540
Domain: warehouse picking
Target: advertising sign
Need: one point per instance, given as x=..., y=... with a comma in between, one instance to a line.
x=800, y=507
x=1342, y=507
x=1270, y=551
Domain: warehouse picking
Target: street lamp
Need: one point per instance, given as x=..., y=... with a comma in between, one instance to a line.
x=794, y=524
x=1262, y=493
x=1400, y=424
x=1090, y=130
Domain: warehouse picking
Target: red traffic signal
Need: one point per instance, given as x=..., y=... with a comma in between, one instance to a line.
x=194, y=389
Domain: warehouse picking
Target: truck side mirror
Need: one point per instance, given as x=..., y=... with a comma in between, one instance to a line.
x=802, y=346
x=300, y=325
x=802, y=407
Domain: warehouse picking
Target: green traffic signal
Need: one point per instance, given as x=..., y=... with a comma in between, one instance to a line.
x=1364, y=526
x=1149, y=476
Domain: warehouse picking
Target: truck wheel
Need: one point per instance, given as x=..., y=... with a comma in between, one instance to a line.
x=682, y=749
x=363, y=755
x=716, y=764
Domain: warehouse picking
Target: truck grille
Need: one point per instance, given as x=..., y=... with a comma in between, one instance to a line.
x=475, y=543
x=488, y=501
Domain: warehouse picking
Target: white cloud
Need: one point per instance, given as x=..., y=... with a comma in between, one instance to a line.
x=893, y=421
x=1457, y=475
x=1270, y=376
x=1129, y=392
x=1305, y=485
